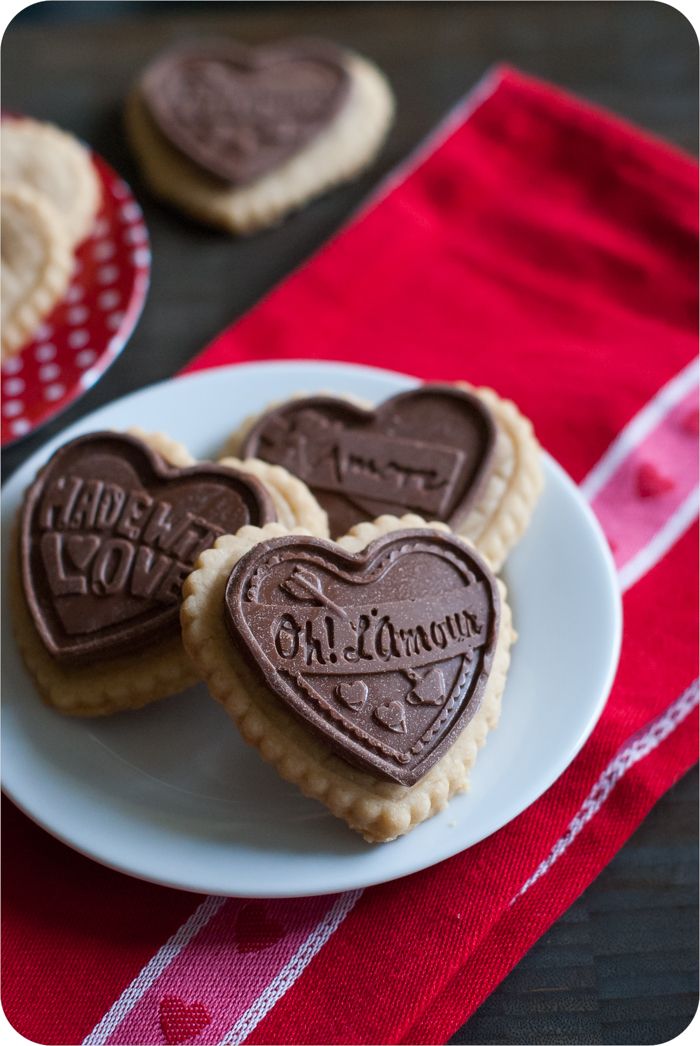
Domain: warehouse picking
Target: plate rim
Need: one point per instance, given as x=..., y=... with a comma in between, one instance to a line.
x=356, y=881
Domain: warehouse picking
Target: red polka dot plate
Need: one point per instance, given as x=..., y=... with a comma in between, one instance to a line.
x=90, y=326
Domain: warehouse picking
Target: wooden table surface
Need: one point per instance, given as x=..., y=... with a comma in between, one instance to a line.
x=621, y=965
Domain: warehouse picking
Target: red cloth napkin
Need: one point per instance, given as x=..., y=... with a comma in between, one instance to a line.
x=549, y=250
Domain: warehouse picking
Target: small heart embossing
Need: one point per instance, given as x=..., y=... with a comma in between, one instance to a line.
x=392, y=716
x=81, y=550
x=384, y=654
x=353, y=695
x=256, y=929
x=428, y=690
x=426, y=451
x=651, y=483
x=181, y=1022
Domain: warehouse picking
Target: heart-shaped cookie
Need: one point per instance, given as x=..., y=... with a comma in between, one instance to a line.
x=109, y=531
x=415, y=614
x=427, y=451
x=239, y=112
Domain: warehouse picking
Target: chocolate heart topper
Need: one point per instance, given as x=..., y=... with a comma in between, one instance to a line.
x=384, y=654
x=109, y=531
x=427, y=451
x=239, y=112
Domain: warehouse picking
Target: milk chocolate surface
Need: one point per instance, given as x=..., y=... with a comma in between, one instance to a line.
x=109, y=532
x=239, y=112
x=427, y=451
x=384, y=655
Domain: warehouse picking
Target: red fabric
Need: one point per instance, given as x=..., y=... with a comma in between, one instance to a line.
x=550, y=251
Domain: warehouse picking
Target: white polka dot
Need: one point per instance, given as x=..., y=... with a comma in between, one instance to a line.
x=42, y=332
x=78, y=314
x=54, y=392
x=12, y=365
x=45, y=352
x=141, y=256
x=86, y=357
x=103, y=250
x=13, y=386
x=89, y=377
x=135, y=234
x=120, y=189
x=114, y=320
x=74, y=294
x=49, y=371
x=101, y=227
x=131, y=212
x=108, y=299
x=12, y=408
x=76, y=339
x=20, y=427
x=107, y=274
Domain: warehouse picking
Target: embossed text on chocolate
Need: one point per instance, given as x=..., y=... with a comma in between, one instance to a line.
x=394, y=636
x=405, y=471
x=98, y=537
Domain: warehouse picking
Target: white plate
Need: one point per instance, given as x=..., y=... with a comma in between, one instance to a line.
x=171, y=793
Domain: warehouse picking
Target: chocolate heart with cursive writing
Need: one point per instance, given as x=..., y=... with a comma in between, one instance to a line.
x=109, y=533
x=426, y=451
x=412, y=620
x=239, y=112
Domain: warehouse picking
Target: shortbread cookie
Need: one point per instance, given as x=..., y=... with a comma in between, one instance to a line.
x=36, y=264
x=238, y=137
x=295, y=505
x=368, y=671
x=56, y=165
x=452, y=453
x=108, y=531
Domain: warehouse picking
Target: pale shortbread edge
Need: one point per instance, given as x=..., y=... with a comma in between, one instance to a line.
x=503, y=509
x=378, y=810
x=294, y=503
x=174, y=452
x=53, y=274
x=505, y=506
x=343, y=149
x=43, y=157
x=116, y=685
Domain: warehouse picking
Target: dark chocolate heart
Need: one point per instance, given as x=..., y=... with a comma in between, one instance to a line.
x=239, y=112
x=413, y=619
x=426, y=451
x=110, y=531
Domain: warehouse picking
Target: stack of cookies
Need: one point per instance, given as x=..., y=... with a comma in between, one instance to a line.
x=332, y=578
x=50, y=195
x=239, y=136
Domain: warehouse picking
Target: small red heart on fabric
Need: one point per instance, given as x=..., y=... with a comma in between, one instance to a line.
x=690, y=422
x=181, y=1022
x=651, y=483
x=256, y=929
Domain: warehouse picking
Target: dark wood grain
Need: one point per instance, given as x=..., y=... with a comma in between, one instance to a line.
x=621, y=965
